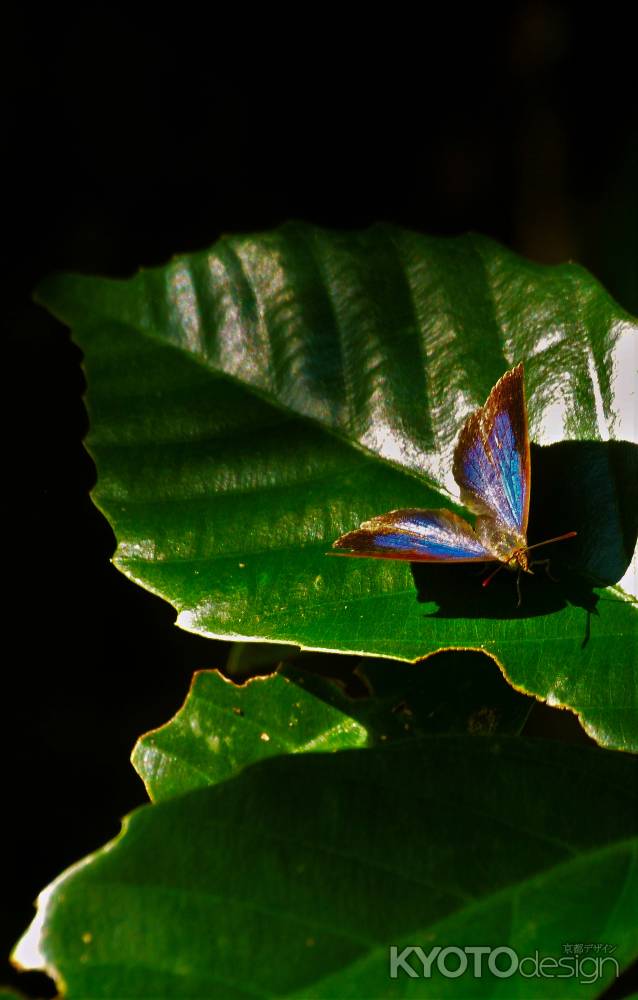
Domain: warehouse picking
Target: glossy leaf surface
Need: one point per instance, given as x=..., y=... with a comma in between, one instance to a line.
x=251, y=403
x=295, y=878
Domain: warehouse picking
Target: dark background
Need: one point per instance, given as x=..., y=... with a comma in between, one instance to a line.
x=129, y=139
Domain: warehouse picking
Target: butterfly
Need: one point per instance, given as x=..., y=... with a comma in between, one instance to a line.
x=492, y=468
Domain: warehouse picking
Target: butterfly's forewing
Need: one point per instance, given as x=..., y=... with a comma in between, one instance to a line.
x=491, y=459
x=417, y=535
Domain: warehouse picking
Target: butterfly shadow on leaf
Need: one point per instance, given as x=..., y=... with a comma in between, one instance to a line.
x=590, y=487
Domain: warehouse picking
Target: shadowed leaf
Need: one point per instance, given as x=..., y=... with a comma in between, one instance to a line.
x=295, y=878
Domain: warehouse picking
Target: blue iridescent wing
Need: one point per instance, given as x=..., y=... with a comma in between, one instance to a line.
x=416, y=535
x=491, y=459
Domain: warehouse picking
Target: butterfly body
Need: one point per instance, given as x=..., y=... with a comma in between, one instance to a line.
x=492, y=468
x=509, y=547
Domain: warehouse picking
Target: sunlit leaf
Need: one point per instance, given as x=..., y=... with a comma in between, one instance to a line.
x=252, y=402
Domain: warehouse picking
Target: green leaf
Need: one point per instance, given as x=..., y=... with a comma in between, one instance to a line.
x=297, y=876
x=223, y=726
x=251, y=403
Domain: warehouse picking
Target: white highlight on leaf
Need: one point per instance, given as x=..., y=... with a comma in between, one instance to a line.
x=388, y=443
x=553, y=425
x=237, y=352
x=601, y=419
x=552, y=338
x=394, y=446
x=629, y=582
x=181, y=293
x=624, y=382
x=145, y=549
x=29, y=953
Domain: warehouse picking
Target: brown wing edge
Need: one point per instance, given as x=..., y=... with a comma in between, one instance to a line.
x=361, y=540
x=509, y=392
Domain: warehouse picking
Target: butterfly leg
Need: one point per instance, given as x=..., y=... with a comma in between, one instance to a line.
x=546, y=563
x=518, y=589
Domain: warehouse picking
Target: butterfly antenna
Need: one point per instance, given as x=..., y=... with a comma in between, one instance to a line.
x=559, y=538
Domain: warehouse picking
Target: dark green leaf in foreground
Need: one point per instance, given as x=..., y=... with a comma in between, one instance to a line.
x=224, y=726
x=251, y=403
x=294, y=878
